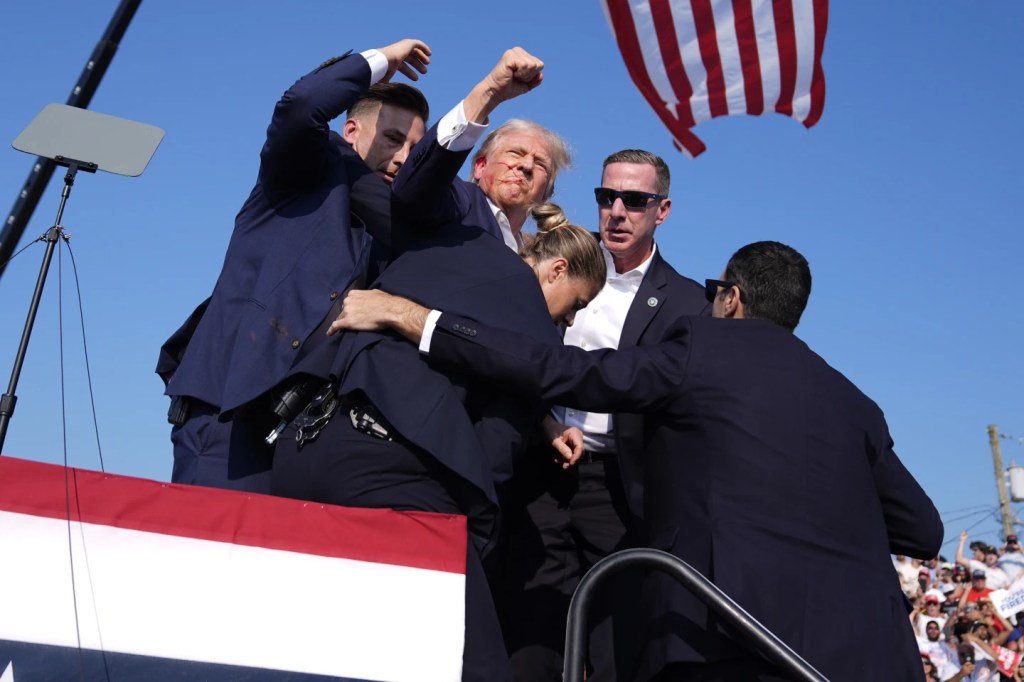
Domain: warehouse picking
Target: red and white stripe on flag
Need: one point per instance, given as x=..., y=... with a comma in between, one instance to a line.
x=694, y=60
x=156, y=575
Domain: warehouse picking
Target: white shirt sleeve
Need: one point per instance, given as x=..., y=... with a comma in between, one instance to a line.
x=428, y=331
x=455, y=133
x=378, y=64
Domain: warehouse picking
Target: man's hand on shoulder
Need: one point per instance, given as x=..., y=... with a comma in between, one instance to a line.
x=374, y=310
x=408, y=56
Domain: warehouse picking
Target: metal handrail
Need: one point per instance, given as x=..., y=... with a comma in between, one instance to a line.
x=732, y=614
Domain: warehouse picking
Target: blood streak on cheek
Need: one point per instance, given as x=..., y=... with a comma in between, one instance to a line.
x=515, y=178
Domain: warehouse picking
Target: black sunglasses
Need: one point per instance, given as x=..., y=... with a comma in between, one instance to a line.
x=711, y=289
x=631, y=199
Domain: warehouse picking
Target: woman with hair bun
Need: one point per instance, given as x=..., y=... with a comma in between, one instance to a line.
x=567, y=260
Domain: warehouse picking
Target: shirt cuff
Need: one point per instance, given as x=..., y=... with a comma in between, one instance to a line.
x=378, y=64
x=455, y=133
x=428, y=331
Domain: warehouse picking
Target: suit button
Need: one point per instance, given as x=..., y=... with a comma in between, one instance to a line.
x=334, y=295
x=295, y=343
x=472, y=332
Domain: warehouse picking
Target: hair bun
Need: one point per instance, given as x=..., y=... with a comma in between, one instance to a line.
x=549, y=216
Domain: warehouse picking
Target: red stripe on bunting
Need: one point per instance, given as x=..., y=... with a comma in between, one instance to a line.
x=629, y=46
x=707, y=39
x=414, y=539
x=818, y=77
x=746, y=38
x=671, y=56
x=785, y=38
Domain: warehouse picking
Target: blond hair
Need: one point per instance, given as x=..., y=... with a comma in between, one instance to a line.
x=556, y=237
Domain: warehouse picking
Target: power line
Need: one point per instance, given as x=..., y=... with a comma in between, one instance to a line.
x=986, y=511
x=956, y=538
x=966, y=509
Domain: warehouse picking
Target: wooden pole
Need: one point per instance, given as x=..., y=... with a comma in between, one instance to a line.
x=997, y=461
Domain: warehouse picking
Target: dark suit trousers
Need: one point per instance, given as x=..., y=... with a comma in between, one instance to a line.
x=349, y=468
x=231, y=455
x=559, y=524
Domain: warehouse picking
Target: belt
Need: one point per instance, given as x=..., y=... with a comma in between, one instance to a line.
x=593, y=457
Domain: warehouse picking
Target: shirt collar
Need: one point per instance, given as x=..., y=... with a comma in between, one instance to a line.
x=512, y=241
x=637, y=273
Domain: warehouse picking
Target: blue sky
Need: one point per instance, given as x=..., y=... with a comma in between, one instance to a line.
x=906, y=199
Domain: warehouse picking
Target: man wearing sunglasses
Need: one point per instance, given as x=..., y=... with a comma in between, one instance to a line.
x=582, y=514
x=764, y=467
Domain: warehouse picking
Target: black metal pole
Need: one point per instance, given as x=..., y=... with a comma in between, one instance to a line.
x=9, y=400
x=742, y=624
x=81, y=95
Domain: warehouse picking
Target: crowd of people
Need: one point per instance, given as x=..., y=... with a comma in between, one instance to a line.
x=960, y=631
x=384, y=333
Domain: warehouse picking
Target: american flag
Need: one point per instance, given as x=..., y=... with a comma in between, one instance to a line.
x=694, y=60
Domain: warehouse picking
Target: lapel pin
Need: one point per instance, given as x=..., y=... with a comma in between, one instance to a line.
x=652, y=301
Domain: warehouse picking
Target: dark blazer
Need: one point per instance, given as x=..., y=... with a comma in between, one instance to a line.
x=428, y=194
x=457, y=262
x=295, y=248
x=663, y=297
x=466, y=424
x=766, y=470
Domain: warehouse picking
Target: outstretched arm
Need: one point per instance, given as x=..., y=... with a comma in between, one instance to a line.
x=961, y=558
x=298, y=136
x=515, y=74
x=635, y=379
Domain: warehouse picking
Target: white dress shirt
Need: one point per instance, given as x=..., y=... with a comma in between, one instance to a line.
x=599, y=325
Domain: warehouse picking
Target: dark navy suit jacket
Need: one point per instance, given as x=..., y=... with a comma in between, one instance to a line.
x=295, y=248
x=766, y=470
x=428, y=195
x=663, y=297
x=456, y=261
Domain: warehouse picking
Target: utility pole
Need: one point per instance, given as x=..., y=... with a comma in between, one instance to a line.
x=997, y=460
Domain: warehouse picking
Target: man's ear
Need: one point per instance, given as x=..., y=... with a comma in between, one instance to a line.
x=478, y=167
x=731, y=304
x=350, y=131
x=663, y=210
